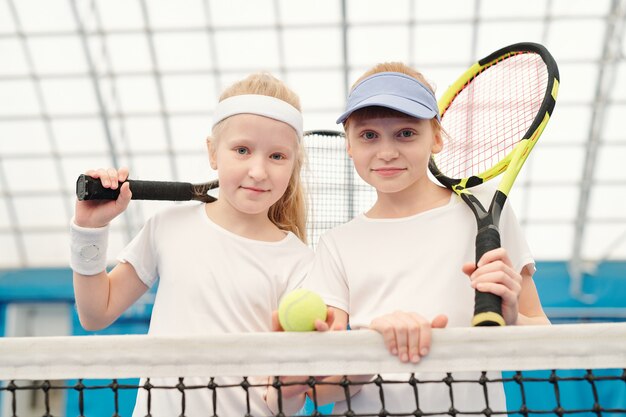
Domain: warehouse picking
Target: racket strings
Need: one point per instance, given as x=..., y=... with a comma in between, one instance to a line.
x=491, y=114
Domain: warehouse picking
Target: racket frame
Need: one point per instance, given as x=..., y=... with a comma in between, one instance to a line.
x=488, y=310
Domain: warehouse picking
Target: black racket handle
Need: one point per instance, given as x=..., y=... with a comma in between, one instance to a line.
x=89, y=188
x=487, y=306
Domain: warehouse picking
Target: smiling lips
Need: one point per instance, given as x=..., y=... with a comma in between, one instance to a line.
x=254, y=189
x=388, y=171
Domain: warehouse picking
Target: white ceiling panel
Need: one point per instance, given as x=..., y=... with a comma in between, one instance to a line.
x=584, y=40
x=13, y=58
x=35, y=16
x=165, y=14
x=450, y=10
x=324, y=53
x=69, y=96
x=378, y=43
x=179, y=51
x=57, y=55
x=608, y=202
x=138, y=94
x=610, y=165
x=495, y=9
x=373, y=11
x=552, y=241
x=89, y=83
x=9, y=255
x=5, y=219
x=80, y=135
x=31, y=174
x=19, y=98
x=578, y=81
x=142, y=134
x=247, y=49
x=238, y=13
x=189, y=133
x=21, y=137
x=126, y=52
x=40, y=212
x=613, y=127
x=45, y=248
x=188, y=93
x=569, y=125
x=605, y=241
x=598, y=8
x=119, y=14
x=494, y=34
x=317, y=13
x=430, y=39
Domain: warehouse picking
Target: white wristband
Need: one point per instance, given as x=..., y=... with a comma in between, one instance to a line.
x=88, y=249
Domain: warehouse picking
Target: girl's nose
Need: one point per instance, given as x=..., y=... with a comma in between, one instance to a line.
x=387, y=150
x=257, y=169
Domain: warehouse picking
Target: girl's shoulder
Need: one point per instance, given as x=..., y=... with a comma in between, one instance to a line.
x=178, y=213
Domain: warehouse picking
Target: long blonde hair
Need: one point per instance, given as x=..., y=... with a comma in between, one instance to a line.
x=290, y=211
x=376, y=111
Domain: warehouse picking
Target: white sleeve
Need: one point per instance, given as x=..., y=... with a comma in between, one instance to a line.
x=142, y=255
x=327, y=277
x=513, y=240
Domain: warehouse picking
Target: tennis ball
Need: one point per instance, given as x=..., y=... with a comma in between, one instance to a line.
x=299, y=309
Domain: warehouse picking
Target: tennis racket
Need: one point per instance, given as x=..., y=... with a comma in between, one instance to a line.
x=494, y=114
x=89, y=188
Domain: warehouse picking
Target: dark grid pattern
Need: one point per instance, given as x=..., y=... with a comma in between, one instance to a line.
x=578, y=393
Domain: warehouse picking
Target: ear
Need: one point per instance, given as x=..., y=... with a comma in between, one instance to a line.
x=348, y=147
x=211, y=148
x=437, y=143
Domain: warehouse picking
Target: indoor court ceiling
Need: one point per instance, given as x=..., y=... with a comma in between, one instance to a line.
x=88, y=84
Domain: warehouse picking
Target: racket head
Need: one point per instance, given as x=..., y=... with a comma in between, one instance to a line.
x=493, y=115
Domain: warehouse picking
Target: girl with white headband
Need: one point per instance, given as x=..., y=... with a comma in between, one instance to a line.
x=222, y=267
x=402, y=267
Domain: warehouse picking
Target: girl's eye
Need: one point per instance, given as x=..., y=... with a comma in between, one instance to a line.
x=369, y=135
x=407, y=133
x=241, y=150
x=277, y=156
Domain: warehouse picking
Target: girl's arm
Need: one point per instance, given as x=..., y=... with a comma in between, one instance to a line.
x=102, y=298
x=530, y=310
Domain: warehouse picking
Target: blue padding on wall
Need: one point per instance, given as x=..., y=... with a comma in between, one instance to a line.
x=46, y=284
x=607, y=285
x=3, y=319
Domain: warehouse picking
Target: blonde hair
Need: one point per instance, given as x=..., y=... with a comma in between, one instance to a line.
x=290, y=211
x=382, y=112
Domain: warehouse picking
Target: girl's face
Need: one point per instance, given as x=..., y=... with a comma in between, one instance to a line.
x=255, y=158
x=392, y=153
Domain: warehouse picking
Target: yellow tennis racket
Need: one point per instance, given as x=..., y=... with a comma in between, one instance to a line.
x=494, y=114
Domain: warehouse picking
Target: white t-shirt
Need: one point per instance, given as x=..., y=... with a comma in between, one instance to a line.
x=210, y=281
x=371, y=267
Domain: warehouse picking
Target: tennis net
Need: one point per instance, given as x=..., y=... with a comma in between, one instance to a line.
x=543, y=370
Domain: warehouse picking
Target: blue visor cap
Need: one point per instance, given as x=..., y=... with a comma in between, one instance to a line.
x=395, y=91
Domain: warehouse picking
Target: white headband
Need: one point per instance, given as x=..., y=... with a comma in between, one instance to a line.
x=261, y=105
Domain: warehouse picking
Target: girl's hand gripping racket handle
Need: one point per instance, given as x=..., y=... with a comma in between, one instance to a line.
x=89, y=188
x=487, y=306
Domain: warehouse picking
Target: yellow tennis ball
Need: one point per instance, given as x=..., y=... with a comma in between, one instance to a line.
x=299, y=309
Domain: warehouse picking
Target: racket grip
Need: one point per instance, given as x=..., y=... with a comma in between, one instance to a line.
x=89, y=188
x=487, y=306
